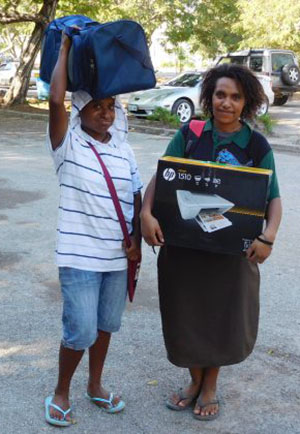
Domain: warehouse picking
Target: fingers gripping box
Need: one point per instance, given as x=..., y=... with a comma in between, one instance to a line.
x=210, y=206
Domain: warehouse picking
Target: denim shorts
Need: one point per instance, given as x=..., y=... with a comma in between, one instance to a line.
x=92, y=301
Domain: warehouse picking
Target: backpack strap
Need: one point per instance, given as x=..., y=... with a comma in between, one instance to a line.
x=194, y=132
x=257, y=148
x=197, y=127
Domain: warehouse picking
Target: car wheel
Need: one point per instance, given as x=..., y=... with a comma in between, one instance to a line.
x=290, y=74
x=263, y=109
x=280, y=100
x=184, y=109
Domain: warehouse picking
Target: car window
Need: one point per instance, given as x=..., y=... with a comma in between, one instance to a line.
x=185, y=80
x=256, y=63
x=6, y=66
x=239, y=60
x=281, y=59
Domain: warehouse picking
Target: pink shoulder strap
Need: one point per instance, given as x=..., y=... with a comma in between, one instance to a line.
x=197, y=127
x=114, y=196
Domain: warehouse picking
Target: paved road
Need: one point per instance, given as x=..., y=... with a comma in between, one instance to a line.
x=259, y=396
x=287, y=118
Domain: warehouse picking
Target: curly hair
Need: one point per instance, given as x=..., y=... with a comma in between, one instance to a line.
x=247, y=81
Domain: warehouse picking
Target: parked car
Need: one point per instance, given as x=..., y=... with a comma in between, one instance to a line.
x=8, y=71
x=266, y=83
x=181, y=96
x=278, y=64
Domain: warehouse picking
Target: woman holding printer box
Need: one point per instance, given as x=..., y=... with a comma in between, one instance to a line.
x=209, y=302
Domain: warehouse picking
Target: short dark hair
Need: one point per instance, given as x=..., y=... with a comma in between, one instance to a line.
x=250, y=85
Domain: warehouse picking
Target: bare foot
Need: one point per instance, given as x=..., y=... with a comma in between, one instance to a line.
x=62, y=402
x=186, y=395
x=100, y=392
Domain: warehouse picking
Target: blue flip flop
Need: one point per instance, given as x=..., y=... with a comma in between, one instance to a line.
x=111, y=407
x=52, y=420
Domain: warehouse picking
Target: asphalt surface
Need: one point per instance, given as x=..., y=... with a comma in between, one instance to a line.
x=258, y=396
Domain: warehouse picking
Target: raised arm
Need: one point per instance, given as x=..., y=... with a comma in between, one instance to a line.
x=151, y=230
x=58, y=116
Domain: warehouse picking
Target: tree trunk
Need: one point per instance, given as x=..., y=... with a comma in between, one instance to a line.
x=17, y=92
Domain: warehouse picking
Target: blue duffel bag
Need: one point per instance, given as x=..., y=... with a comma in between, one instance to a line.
x=109, y=59
x=52, y=39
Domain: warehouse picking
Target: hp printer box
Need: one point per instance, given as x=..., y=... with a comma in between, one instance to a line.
x=210, y=206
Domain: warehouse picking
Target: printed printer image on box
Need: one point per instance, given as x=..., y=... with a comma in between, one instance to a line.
x=207, y=209
x=210, y=206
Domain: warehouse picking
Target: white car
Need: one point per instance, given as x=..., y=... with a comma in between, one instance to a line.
x=8, y=71
x=181, y=96
x=266, y=83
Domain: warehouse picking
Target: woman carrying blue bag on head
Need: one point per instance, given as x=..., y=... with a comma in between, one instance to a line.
x=90, y=253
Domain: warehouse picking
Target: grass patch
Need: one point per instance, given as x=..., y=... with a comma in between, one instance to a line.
x=266, y=122
x=163, y=115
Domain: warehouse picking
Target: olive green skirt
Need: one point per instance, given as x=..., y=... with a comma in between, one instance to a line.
x=209, y=306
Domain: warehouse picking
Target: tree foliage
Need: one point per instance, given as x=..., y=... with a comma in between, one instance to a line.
x=16, y=11
x=98, y=10
x=149, y=13
x=206, y=24
x=13, y=39
x=272, y=23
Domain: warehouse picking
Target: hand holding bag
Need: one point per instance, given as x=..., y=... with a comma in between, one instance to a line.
x=104, y=59
x=133, y=266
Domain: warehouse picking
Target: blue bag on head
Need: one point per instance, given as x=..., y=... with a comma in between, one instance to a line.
x=52, y=39
x=114, y=58
x=106, y=59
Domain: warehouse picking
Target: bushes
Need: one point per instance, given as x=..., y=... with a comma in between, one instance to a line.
x=266, y=122
x=164, y=116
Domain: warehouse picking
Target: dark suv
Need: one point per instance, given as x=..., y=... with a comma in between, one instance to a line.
x=280, y=65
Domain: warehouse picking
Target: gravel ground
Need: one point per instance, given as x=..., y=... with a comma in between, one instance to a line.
x=258, y=396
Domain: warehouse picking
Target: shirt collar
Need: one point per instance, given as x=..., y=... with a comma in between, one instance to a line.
x=241, y=138
x=87, y=138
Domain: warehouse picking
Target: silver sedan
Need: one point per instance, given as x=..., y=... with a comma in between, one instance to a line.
x=179, y=95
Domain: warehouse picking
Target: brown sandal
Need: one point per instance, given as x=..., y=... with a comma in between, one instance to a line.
x=181, y=397
x=207, y=416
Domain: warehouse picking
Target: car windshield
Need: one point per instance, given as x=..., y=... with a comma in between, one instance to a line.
x=185, y=80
